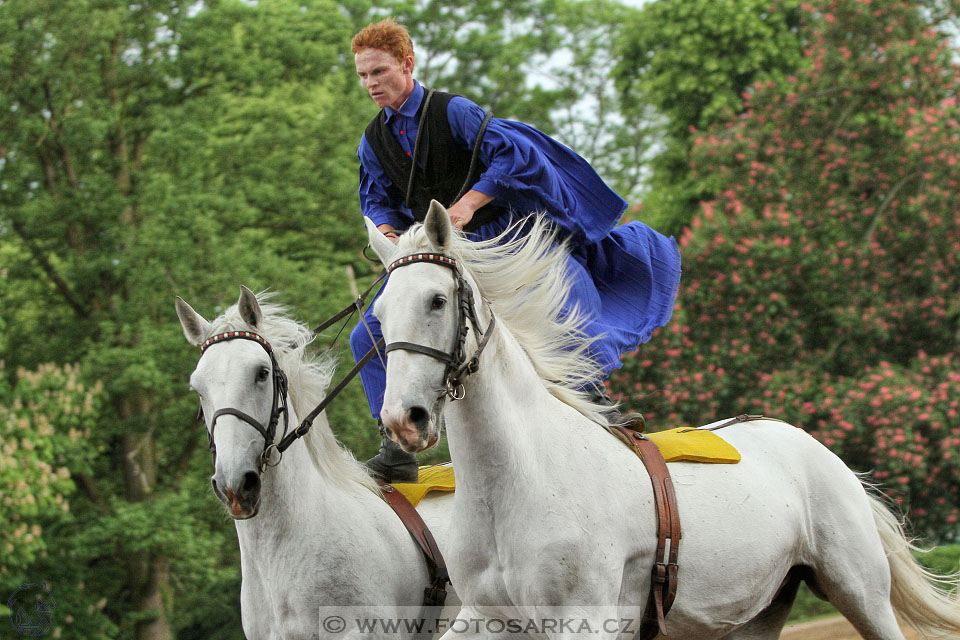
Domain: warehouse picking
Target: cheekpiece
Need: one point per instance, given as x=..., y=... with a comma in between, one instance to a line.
x=436, y=258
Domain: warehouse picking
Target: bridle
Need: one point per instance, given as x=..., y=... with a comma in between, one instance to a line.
x=278, y=408
x=458, y=366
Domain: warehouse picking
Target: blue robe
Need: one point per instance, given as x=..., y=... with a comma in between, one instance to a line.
x=626, y=277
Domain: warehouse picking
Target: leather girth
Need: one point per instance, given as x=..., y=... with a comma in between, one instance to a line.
x=663, y=587
x=435, y=594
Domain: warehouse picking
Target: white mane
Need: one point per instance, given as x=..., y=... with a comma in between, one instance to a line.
x=308, y=377
x=523, y=277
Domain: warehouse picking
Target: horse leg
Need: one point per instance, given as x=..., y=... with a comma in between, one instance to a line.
x=853, y=574
x=769, y=623
x=873, y=618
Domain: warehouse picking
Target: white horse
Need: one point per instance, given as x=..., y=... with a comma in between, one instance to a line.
x=556, y=512
x=313, y=530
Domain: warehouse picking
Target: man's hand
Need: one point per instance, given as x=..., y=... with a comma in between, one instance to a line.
x=461, y=212
x=389, y=231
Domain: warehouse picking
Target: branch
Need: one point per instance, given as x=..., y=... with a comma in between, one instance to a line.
x=89, y=487
x=868, y=237
x=68, y=169
x=58, y=282
x=846, y=114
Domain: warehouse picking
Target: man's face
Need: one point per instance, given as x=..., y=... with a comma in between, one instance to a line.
x=388, y=81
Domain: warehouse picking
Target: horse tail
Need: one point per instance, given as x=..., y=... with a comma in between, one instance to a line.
x=925, y=600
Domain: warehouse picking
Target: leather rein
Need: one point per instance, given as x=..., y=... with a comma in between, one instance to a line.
x=458, y=366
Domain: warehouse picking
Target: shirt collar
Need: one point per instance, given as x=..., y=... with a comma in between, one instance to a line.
x=410, y=106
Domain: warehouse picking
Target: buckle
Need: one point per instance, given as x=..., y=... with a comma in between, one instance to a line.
x=434, y=596
x=660, y=572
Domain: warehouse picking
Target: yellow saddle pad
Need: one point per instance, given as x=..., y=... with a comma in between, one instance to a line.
x=434, y=477
x=683, y=444
x=686, y=444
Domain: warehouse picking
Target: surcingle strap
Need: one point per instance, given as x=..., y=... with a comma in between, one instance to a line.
x=663, y=587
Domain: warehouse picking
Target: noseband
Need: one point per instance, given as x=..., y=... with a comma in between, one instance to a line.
x=458, y=366
x=279, y=407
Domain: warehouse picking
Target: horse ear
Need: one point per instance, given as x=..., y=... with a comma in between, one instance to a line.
x=249, y=308
x=381, y=244
x=194, y=326
x=437, y=225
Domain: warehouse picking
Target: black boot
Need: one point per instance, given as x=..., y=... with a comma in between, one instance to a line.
x=392, y=463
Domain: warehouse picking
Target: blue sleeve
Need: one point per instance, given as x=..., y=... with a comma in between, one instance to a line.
x=376, y=202
x=465, y=119
x=528, y=171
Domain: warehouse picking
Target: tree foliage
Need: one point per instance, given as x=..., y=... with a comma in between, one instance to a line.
x=689, y=62
x=150, y=150
x=172, y=148
x=167, y=148
x=821, y=283
x=46, y=417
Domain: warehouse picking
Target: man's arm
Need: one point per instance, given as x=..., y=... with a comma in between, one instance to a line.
x=461, y=212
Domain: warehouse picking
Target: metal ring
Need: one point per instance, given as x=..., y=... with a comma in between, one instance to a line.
x=456, y=392
x=265, y=457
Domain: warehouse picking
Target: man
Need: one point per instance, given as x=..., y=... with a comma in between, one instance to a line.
x=625, y=277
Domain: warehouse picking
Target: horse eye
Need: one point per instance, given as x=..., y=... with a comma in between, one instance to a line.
x=438, y=302
x=263, y=374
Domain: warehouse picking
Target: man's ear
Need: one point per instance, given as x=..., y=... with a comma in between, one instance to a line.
x=438, y=227
x=381, y=244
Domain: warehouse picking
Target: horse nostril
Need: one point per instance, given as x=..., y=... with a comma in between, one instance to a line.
x=251, y=484
x=420, y=417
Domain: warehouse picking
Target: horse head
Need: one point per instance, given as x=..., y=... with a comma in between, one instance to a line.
x=236, y=381
x=421, y=315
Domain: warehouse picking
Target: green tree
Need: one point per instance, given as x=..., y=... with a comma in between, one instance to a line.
x=485, y=50
x=46, y=418
x=149, y=150
x=821, y=283
x=588, y=116
x=686, y=65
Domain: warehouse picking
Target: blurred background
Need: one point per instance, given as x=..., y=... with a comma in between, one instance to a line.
x=804, y=155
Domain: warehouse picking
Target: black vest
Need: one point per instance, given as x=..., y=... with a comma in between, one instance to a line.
x=442, y=164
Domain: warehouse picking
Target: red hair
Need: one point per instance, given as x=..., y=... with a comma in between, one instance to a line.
x=385, y=35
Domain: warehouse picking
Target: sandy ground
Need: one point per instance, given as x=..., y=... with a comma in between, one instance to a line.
x=830, y=629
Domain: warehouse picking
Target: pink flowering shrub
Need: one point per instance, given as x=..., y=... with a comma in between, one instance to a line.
x=821, y=283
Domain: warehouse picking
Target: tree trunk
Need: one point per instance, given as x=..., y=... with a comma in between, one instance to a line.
x=149, y=574
x=155, y=597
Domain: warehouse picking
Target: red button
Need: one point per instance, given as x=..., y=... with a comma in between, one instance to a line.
x=402, y=131
x=408, y=153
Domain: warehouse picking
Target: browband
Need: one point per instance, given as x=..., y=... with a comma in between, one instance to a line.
x=436, y=258
x=232, y=335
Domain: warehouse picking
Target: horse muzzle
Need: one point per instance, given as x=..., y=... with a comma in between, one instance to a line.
x=414, y=429
x=243, y=500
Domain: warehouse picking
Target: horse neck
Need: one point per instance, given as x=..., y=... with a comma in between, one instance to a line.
x=500, y=417
x=296, y=494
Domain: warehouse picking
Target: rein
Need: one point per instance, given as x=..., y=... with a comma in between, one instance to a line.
x=458, y=366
